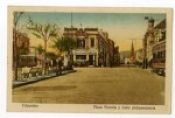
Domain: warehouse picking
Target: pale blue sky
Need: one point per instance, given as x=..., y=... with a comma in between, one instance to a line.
x=122, y=27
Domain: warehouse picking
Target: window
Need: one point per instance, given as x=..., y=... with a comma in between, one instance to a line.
x=80, y=43
x=80, y=57
x=163, y=54
x=92, y=42
x=154, y=55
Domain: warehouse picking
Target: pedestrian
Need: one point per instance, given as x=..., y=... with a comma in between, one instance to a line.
x=59, y=66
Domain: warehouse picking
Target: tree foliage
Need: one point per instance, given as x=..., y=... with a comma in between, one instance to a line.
x=64, y=44
x=51, y=55
x=43, y=31
x=40, y=49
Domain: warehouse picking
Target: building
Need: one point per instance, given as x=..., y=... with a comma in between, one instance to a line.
x=111, y=52
x=94, y=48
x=159, y=48
x=160, y=31
x=20, y=46
x=148, y=42
x=22, y=43
x=139, y=57
x=155, y=34
x=116, y=56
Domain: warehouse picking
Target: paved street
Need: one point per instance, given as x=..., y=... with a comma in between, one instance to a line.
x=96, y=85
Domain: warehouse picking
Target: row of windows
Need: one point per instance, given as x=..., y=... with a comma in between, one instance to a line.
x=27, y=61
x=80, y=57
x=160, y=36
x=159, y=55
x=81, y=43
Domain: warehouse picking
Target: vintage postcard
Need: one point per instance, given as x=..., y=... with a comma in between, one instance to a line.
x=78, y=59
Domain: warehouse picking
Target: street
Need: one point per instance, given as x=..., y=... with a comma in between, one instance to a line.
x=120, y=85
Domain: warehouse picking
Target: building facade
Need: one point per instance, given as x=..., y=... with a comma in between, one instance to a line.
x=22, y=43
x=94, y=48
x=148, y=42
x=159, y=48
x=154, y=35
x=116, y=56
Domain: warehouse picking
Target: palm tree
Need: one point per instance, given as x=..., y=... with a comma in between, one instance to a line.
x=65, y=44
x=40, y=52
x=44, y=32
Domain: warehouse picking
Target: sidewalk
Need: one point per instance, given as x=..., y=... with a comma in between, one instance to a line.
x=39, y=78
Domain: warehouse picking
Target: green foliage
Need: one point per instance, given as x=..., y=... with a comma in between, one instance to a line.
x=36, y=34
x=40, y=49
x=51, y=55
x=44, y=32
x=64, y=44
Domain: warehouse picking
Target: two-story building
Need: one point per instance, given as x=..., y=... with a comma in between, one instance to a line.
x=154, y=35
x=94, y=48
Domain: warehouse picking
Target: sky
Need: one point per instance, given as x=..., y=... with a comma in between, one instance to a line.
x=123, y=28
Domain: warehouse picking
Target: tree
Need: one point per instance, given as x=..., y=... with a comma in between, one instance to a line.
x=40, y=49
x=65, y=44
x=44, y=32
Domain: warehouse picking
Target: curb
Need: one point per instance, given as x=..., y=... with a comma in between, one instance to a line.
x=37, y=80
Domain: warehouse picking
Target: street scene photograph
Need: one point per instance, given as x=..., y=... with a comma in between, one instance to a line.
x=89, y=57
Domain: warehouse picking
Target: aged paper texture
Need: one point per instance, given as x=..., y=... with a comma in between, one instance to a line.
x=79, y=59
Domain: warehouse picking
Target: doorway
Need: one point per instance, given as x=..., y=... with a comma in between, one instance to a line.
x=90, y=59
